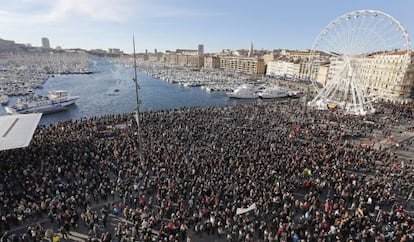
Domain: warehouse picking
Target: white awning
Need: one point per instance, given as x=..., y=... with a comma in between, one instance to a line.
x=16, y=131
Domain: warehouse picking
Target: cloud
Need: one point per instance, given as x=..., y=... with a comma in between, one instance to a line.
x=49, y=11
x=102, y=10
x=52, y=11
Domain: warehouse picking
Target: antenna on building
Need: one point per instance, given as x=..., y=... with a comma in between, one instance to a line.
x=135, y=79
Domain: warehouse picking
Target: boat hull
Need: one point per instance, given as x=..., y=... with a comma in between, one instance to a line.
x=45, y=109
x=244, y=92
x=241, y=96
x=272, y=96
x=273, y=93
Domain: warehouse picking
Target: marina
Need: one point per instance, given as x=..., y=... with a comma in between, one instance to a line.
x=110, y=90
x=212, y=80
x=21, y=73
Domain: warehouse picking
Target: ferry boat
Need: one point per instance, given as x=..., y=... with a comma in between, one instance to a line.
x=55, y=101
x=273, y=93
x=244, y=92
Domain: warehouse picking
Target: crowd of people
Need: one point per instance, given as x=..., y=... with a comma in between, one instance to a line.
x=306, y=175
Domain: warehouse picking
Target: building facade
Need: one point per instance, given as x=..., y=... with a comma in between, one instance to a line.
x=45, y=43
x=114, y=51
x=248, y=65
x=184, y=57
x=273, y=56
x=384, y=74
x=283, y=69
x=322, y=74
x=211, y=62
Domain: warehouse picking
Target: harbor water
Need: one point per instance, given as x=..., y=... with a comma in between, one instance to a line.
x=111, y=90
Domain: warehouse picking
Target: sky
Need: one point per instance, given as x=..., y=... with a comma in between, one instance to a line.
x=182, y=24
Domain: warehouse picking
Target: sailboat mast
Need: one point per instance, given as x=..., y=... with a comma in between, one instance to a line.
x=138, y=103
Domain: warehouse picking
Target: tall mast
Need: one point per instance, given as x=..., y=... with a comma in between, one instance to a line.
x=135, y=79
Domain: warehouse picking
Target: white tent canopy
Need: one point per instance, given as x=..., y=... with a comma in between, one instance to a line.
x=16, y=131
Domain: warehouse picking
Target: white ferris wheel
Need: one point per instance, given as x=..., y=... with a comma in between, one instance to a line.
x=359, y=48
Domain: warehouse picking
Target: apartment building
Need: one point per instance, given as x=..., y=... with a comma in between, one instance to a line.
x=273, y=56
x=211, y=62
x=185, y=57
x=384, y=73
x=283, y=68
x=248, y=65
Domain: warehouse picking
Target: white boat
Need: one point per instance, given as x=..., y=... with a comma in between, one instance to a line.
x=273, y=93
x=55, y=101
x=4, y=99
x=244, y=92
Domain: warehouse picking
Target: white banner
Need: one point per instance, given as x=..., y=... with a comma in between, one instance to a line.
x=245, y=210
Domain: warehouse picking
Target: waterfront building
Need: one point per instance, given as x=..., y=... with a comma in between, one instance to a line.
x=272, y=56
x=383, y=74
x=182, y=60
x=141, y=57
x=211, y=62
x=196, y=61
x=200, y=50
x=322, y=74
x=45, y=43
x=186, y=57
x=155, y=57
x=96, y=52
x=295, y=64
x=114, y=51
x=306, y=72
x=283, y=69
x=298, y=55
x=248, y=65
x=7, y=45
x=171, y=57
